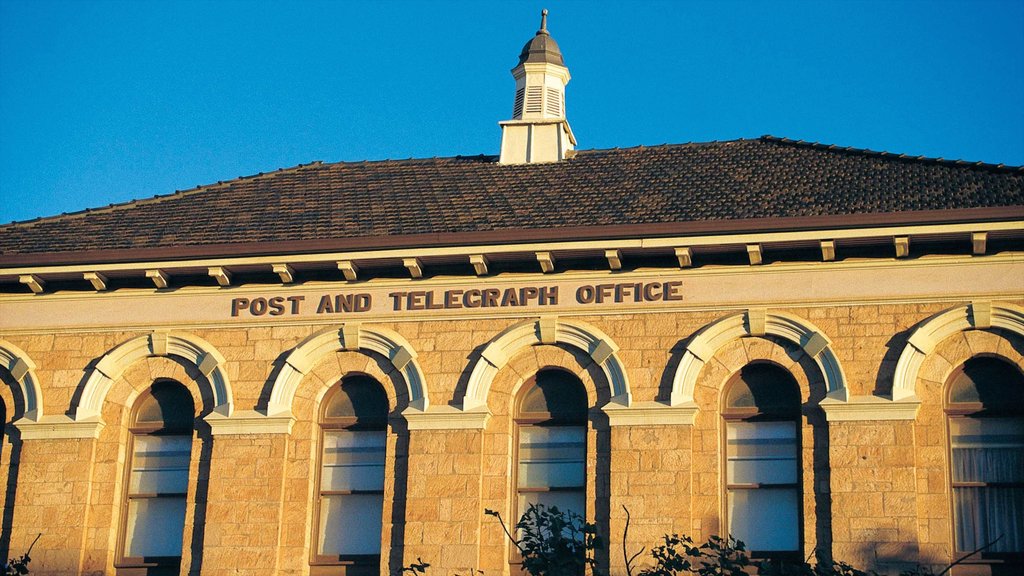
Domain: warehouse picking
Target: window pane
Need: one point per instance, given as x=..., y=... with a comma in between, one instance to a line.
x=552, y=457
x=160, y=465
x=761, y=452
x=574, y=500
x=984, y=513
x=558, y=394
x=768, y=388
x=353, y=460
x=766, y=519
x=168, y=405
x=360, y=397
x=155, y=526
x=987, y=449
x=350, y=524
x=995, y=383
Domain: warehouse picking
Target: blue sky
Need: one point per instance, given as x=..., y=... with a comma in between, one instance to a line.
x=104, y=102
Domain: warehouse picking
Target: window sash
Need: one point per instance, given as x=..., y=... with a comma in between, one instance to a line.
x=160, y=465
x=765, y=519
x=156, y=498
x=350, y=525
x=987, y=476
x=551, y=457
x=763, y=504
x=762, y=453
x=155, y=527
x=350, y=502
x=352, y=460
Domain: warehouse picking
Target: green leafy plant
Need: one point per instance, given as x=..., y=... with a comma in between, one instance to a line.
x=553, y=542
x=716, y=557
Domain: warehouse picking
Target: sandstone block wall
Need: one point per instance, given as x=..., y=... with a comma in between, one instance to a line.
x=875, y=492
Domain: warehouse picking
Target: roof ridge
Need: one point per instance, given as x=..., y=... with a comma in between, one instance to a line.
x=665, y=145
x=891, y=155
x=160, y=197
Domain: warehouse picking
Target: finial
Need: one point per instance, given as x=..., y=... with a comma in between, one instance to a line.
x=543, y=22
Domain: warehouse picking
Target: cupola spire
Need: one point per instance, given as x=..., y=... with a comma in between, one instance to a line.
x=538, y=130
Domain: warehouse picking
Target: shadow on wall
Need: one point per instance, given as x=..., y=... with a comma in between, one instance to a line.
x=887, y=368
x=13, y=445
x=398, y=506
x=202, y=493
x=602, y=487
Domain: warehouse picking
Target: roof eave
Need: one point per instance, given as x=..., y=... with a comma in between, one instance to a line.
x=610, y=232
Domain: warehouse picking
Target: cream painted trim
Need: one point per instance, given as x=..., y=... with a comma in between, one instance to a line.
x=685, y=256
x=547, y=262
x=190, y=348
x=59, y=427
x=666, y=242
x=23, y=370
x=414, y=266
x=446, y=418
x=221, y=274
x=479, y=262
x=614, y=257
x=754, y=254
x=977, y=315
x=285, y=272
x=98, y=280
x=34, y=283
x=828, y=250
x=978, y=243
x=348, y=336
x=593, y=342
x=902, y=244
x=650, y=414
x=768, y=237
x=159, y=277
x=714, y=336
x=870, y=408
x=244, y=422
x=349, y=269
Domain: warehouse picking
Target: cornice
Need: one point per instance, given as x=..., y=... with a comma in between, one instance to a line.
x=246, y=422
x=870, y=409
x=446, y=418
x=650, y=414
x=59, y=427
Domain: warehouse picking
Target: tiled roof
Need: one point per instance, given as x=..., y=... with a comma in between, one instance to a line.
x=763, y=178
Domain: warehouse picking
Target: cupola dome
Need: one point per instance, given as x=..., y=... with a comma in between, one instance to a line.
x=542, y=47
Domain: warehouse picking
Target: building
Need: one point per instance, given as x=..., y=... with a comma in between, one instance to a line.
x=335, y=368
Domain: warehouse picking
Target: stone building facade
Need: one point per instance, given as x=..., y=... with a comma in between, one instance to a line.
x=679, y=289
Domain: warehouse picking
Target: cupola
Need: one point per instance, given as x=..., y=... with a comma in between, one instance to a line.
x=538, y=130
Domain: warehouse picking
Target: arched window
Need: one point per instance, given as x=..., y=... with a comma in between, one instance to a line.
x=551, y=436
x=153, y=521
x=762, y=431
x=350, y=486
x=986, y=436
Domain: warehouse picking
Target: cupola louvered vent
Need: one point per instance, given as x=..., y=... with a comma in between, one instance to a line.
x=534, y=99
x=554, y=103
x=517, y=107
